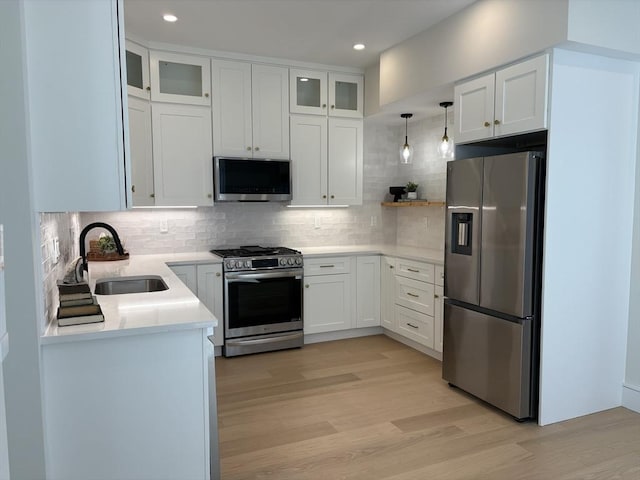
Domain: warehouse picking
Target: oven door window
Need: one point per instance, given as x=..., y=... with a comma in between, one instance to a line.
x=255, y=302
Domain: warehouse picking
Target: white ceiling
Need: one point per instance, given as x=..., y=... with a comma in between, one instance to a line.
x=317, y=31
x=314, y=31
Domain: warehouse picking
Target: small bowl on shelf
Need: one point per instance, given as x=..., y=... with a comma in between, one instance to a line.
x=397, y=192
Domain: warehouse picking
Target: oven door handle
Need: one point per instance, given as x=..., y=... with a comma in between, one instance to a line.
x=254, y=277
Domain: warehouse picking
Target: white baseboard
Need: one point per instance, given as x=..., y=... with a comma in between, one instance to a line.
x=631, y=397
x=415, y=345
x=341, y=334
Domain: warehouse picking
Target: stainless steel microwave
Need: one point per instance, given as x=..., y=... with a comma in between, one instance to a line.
x=251, y=180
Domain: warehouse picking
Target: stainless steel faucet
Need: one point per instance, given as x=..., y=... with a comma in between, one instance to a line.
x=83, y=236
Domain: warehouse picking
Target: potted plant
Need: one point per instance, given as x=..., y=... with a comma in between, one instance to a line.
x=412, y=193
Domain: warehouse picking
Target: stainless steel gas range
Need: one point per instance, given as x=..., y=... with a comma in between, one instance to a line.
x=262, y=299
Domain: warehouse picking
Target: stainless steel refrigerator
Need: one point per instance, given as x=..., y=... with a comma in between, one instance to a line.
x=492, y=279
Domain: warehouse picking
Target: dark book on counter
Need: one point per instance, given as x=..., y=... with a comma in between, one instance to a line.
x=79, y=315
x=73, y=288
x=90, y=300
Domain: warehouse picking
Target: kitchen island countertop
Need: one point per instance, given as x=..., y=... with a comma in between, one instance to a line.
x=141, y=313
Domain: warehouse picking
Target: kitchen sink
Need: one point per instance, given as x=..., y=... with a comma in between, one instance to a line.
x=134, y=284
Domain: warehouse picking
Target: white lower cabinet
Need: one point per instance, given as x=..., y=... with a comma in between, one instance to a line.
x=327, y=303
x=388, y=293
x=341, y=293
x=368, y=291
x=210, y=292
x=415, y=325
x=412, y=300
x=182, y=155
x=206, y=282
x=121, y=407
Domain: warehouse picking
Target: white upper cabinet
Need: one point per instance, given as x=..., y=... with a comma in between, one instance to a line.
x=76, y=90
x=178, y=78
x=270, y=111
x=322, y=93
x=250, y=110
x=140, y=147
x=137, y=58
x=309, y=160
x=326, y=160
x=182, y=154
x=510, y=101
x=346, y=96
x=345, y=162
x=308, y=90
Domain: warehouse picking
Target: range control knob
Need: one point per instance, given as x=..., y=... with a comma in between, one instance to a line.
x=291, y=261
x=283, y=261
x=247, y=264
x=231, y=264
x=298, y=261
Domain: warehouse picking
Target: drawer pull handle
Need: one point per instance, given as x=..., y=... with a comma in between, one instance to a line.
x=412, y=270
x=327, y=266
x=413, y=295
x=437, y=296
x=412, y=326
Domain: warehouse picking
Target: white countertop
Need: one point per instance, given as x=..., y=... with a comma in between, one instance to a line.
x=140, y=313
x=178, y=308
x=409, y=253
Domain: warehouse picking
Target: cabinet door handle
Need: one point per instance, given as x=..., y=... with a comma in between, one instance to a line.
x=412, y=326
x=248, y=149
x=390, y=266
x=413, y=270
x=209, y=195
x=324, y=196
x=306, y=286
x=436, y=296
x=257, y=149
x=206, y=95
x=148, y=89
x=327, y=266
x=413, y=295
x=333, y=196
x=218, y=274
x=153, y=195
x=496, y=122
x=133, y=189
x=324, y=105
x=487, y=124
x=332, y=107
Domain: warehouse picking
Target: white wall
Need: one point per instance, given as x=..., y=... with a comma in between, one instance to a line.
x=588, y=234
x=21, y=250
x=481, y=37
x=611, y=24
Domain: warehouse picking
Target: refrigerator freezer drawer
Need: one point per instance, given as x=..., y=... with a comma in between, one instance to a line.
x=415, y=295
x=489, y=358
x=416, y=326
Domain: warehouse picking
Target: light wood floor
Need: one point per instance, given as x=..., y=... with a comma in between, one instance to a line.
x=372, y=409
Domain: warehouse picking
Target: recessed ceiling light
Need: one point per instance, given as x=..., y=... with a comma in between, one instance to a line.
x=304, y=79
x=170, y=18
x=358, y=46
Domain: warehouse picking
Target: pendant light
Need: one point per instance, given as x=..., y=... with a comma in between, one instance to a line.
x=406, y=151
x=446, y=146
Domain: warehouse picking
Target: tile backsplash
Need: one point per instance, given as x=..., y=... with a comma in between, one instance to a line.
x=141, y=230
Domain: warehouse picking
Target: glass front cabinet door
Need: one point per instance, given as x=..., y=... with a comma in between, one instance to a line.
x=322, y=93
x=345, y=95
x=179, y=78
x=137, y=71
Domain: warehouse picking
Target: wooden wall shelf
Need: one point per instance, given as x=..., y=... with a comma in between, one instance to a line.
x=413, y=203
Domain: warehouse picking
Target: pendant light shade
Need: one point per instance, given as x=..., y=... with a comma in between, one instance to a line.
x=445, y=148
x=406, y=150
